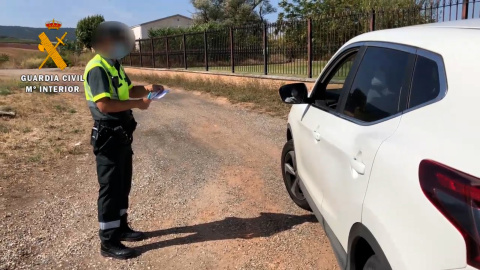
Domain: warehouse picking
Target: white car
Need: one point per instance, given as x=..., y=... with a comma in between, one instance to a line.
x=385, y=149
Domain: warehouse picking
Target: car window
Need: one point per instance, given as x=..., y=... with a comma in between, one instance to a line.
x=375, y=91
x=330, y=96
x=426, y=82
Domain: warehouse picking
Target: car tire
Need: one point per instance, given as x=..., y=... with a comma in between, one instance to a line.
x=289, y=174
x=374, y=263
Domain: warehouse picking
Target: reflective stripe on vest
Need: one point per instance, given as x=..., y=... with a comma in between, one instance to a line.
x=121, y=93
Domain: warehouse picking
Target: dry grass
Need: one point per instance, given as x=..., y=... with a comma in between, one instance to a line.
x=28, y=58
x=81, y=60
x=20, y=58
x=254, y=93
x=47, y=128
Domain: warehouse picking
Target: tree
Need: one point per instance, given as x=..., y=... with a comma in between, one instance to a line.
x=302, y=9
x=265, y=8
x=231, y=12
x=208, y=11
x=86, y=28
x=336, y=21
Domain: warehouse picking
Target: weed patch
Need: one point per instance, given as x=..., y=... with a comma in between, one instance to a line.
x=4, y=128
x=5, y=92
x=4, y=58
x=35, y=158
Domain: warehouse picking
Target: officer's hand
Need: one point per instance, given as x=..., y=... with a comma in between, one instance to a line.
x=154, y=88
x=144, y=103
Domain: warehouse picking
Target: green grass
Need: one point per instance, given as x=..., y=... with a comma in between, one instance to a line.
x=260, y=95
x=5, y=92
x=35, y=158
x=8, y=87
x=298, y=69
x=60, y=108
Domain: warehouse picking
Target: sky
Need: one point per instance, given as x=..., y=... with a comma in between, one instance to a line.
x=34, y=13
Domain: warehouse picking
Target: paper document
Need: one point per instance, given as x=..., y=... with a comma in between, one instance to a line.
x=157, y=95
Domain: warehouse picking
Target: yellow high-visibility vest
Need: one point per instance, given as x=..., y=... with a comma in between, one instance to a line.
x=121, y=92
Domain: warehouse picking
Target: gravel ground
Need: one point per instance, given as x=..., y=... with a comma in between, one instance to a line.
x=207, y=188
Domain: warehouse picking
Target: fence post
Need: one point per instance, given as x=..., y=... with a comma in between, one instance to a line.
x=372, y=20
x=185, y=51
x=140, y=49
x=131, y=55
x=232, y=52
x=166, y=52
x=465, y=9
x=309, y=48
x=205, y=47
x=265, y=47
x=153, y=53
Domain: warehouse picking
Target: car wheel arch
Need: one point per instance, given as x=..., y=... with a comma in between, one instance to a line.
x=289, y=133
x=358, y=252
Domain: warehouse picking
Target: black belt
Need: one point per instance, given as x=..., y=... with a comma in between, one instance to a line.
x=128, y=126
x=123, y=131
x=110, y=123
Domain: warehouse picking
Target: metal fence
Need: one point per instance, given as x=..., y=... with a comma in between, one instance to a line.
x=294, y=48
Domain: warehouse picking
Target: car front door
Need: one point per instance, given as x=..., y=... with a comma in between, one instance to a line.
x=369, y=112
x=324, y=99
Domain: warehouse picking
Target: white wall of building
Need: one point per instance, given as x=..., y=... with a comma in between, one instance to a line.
x=141, y=31
x=137, y=31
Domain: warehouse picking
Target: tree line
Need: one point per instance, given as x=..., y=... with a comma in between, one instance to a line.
x=335, y=21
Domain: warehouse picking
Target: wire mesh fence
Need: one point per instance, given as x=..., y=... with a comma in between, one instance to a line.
x=299, y=48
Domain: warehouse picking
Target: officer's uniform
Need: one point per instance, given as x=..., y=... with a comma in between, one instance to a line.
x=111, y=140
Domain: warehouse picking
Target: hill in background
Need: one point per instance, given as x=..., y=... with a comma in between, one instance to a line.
x=11, y=33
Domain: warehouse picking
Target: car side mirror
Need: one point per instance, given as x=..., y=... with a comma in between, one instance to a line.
x=295, y=93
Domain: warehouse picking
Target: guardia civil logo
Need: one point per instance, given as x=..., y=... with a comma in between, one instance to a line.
x=51, y=83
x=47, y=46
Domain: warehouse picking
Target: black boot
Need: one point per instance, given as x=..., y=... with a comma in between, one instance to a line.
x=117, y=250
x=126, y=233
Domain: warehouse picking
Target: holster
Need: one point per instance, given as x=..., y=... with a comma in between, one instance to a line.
x=105, y=132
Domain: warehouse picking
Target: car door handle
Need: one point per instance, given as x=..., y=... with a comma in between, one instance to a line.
x=358, y=166
x=316, y=135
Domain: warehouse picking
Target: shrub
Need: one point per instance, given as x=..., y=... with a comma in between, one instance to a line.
x=4, y=58
x=171, y=31
x=77, y=59
x=32, y=62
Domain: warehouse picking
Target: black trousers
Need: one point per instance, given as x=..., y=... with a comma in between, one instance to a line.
x=114, y=171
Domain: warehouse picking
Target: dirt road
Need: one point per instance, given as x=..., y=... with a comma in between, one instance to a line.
x=207, y=189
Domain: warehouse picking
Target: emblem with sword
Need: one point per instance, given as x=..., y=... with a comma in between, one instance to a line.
x=51, y=50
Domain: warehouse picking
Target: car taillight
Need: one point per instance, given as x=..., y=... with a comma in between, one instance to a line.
x=457, y=196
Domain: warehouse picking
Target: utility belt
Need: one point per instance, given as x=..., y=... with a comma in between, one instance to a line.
x=106, y=132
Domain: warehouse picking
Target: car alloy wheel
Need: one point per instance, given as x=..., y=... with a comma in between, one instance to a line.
x=292, y=181
x=290, y=176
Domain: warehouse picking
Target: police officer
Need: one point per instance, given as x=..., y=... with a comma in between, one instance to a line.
x=109, y=91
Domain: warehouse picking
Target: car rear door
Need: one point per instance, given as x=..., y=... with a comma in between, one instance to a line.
x=369, y=113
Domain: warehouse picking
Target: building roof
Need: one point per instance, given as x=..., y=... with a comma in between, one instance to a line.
x=176, y=15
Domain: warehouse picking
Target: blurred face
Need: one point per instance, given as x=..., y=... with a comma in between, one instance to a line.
x=113, y=49
x=115, y=40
